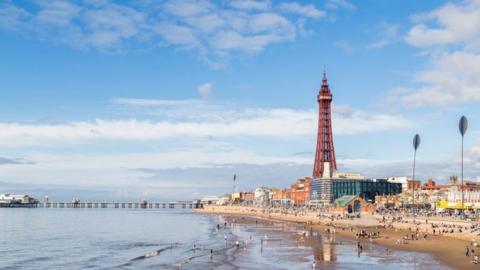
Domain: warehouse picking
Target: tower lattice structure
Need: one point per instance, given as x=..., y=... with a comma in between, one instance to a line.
x=325, y=163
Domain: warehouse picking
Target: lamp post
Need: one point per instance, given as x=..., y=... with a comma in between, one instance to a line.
x=462, y=126
x=416, y=144
x=234, y=183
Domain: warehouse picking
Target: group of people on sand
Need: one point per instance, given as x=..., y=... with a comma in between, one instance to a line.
x=433, y=224
x=471, y=253
x=364, y=234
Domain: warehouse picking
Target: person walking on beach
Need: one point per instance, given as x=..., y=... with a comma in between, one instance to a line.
x=467, y=252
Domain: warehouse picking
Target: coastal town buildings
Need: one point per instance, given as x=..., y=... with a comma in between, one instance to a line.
x=282, y=197
x=471, y=199
x=209, y=199
x=366, y=189
x=236, y=197
x=407, y=182
x=247, y=197
x=262, y=195
x=300, y=191
x=453, y=200
x=388, y=201
x=431, y=185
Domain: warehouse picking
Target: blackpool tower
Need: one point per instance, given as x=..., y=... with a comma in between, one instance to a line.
x=325, y=164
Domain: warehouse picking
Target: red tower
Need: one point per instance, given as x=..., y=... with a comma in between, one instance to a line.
x=325, y=163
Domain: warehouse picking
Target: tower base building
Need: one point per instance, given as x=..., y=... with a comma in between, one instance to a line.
x=324, y=191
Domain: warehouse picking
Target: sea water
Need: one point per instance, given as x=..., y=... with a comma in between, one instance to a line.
x=59, y=238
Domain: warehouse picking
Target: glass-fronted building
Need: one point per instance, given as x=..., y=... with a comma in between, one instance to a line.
x=325, y=191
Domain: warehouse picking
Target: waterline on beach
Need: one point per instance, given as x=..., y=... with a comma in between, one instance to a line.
x=174, y=239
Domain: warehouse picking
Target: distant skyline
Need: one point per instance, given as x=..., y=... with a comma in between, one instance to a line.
x=168, y=99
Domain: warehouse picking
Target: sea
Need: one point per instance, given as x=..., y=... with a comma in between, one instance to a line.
x=68, y=238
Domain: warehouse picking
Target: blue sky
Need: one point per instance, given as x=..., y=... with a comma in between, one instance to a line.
x=168, y=99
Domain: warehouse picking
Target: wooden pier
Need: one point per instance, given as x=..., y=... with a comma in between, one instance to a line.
x=119, y=204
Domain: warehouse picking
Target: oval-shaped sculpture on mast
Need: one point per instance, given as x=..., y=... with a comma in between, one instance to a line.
x=463, y=125
x=416, y=141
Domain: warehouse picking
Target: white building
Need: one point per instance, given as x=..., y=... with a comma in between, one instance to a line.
x=262, y=195
x=400, y=179
x=13, y=198
x=471, y=198
x=210, y=199
x=223, y=200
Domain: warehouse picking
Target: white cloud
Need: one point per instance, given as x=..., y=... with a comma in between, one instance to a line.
x=336, y=4
x=154, y=102
x=452, y=79
x=196, y=173
x=305, y=10
x=455, y=23
x=344, y=45
x=449, y=37
x=11, y=16
x=56, y=13
x=205, y=89
x=213, y=30
x=388, y=34
x=250, y=5
x=271, y=123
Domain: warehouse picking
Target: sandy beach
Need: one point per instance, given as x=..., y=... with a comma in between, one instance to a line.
x=448, y=249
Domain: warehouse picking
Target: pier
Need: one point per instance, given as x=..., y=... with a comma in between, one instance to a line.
x=114, y=204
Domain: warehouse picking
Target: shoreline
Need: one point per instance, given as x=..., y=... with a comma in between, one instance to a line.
x=448, y=249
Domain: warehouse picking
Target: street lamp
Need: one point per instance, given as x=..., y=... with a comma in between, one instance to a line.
x=462, y=126
x=416, y=144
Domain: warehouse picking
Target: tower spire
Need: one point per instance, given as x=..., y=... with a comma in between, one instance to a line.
x=325, y=163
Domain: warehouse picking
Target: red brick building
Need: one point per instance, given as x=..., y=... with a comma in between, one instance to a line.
x=300, y=191
x=431, y=185
x=247, y=196
x=413, y=184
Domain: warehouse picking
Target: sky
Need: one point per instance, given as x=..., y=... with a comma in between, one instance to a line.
x=168, y=99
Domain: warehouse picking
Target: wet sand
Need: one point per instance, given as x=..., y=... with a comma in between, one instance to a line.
x=447, y=249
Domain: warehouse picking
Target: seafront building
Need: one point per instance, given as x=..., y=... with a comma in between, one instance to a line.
x=471, y=199
x=300, y=191
x=326, y=191
x=262, y=195
x=281, y=197
x=407, y=182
